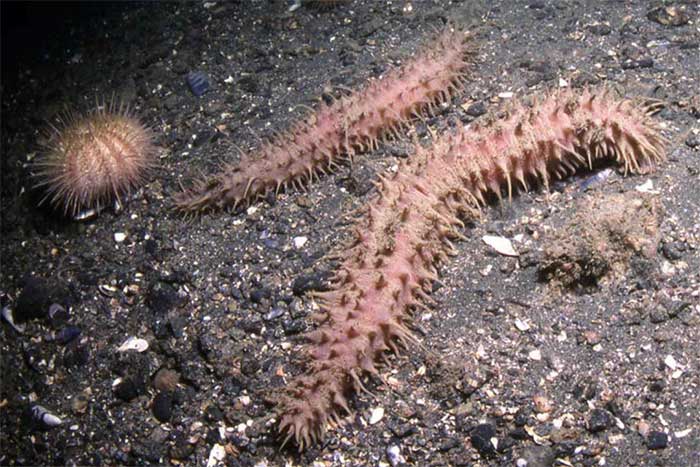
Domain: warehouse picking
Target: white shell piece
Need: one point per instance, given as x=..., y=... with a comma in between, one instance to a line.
x=134, y=343
x=376, y=415
x=216, y=455
x=8, y=316
x=46, y=417
x=501, y=244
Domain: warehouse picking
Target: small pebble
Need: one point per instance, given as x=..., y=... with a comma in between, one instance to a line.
x=693, y=141
x=80, y=402
x=599, y=420
x=198, y=82
x=126, y=390
x=163, y=406
x=476, y=110
x=483, y=438
x=657, y=440
x=119, y=237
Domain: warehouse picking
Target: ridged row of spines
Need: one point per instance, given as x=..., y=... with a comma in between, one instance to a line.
x=407, y=230
x=333, y=133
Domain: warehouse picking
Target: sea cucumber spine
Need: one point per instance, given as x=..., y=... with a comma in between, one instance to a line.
x=407, y=231
x=335, y=132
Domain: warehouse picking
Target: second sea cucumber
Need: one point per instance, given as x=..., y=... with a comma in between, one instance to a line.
x=406, y=232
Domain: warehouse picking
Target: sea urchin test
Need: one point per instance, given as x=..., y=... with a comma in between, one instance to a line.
x=92, y=160
x=335, y=132
x=406, y=232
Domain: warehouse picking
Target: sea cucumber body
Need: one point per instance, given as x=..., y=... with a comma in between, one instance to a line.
x=334, y=132
x=407, y=231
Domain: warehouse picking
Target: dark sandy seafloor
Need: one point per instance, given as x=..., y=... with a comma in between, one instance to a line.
x=533, y=360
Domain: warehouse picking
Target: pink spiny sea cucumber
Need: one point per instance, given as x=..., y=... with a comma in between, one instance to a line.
x=407, y=231
x=334, y=132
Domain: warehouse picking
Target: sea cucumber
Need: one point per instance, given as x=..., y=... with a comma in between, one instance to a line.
x=334, y=132
x=407, y=231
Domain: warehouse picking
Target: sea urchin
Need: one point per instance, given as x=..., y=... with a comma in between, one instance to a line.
x=91, y=160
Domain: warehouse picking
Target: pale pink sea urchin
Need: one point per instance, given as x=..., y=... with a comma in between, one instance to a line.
x=89, y=161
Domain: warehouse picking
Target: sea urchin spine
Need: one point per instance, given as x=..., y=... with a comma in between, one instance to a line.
x=92, y=160
x=334, y=132
x=407, y=231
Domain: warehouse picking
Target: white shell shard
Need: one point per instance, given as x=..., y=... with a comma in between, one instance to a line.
x=9, y=317
x=44, y=416
x=216, y=455
x=376, y=415
x=502, y=245
x=133, y=343
x=647, y=187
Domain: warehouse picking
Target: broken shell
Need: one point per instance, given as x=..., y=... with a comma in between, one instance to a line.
x=216, y=455
x=9, y=317
x=501, y=244
x=57, y=313
x=42, y=415
x=134, y=343
x=107, y=290
x=376, y=415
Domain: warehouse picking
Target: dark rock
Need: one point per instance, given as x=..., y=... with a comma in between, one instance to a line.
x=519, y=434
x=181, y=448
x=657, y=440
x=177, y=325
x=481, y=439
x=477, y=109
x=232, y=387
x=76, y=356
x=249, y=365
x=126, y=390
x=213, y=413
x=67, y=334
x=641, y=63
x=674, y=250
x=658, y=315
x=257, y=295
x=599, y=420
x=162, y=298
x=251, y=326
x=307, y=282
x=599, y=29
x=693, y=141
x=292, y=327
x=163, y=406
x=206, y=345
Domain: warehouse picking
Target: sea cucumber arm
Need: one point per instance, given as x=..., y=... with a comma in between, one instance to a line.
x=334, y=132
x=408, y=228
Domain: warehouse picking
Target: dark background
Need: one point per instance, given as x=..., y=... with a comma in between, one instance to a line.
x=33, y=31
